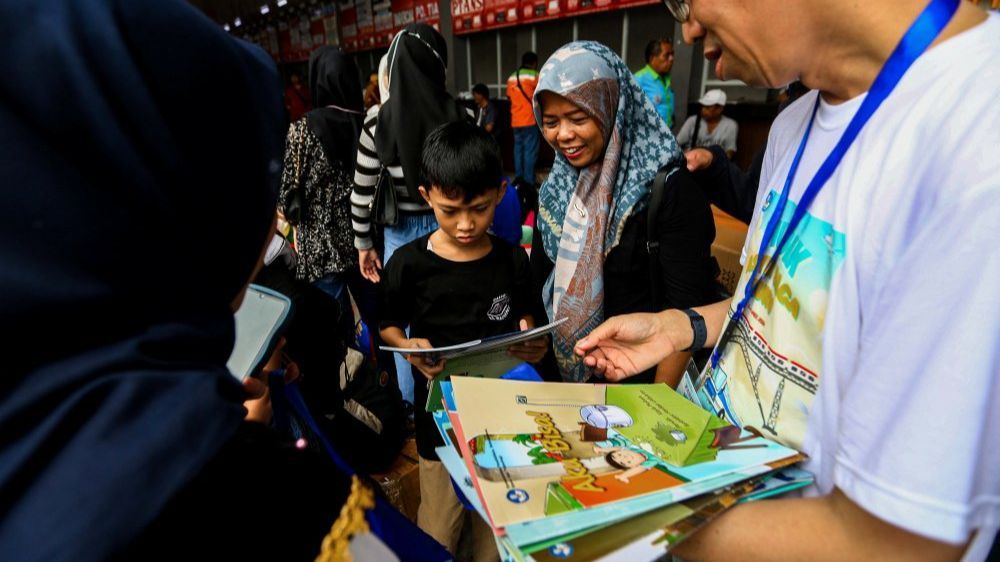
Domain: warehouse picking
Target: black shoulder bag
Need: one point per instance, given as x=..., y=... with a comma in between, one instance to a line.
x=652, y=240
x=384, y=208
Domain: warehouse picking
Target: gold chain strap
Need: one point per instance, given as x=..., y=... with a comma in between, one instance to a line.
x=351, y=522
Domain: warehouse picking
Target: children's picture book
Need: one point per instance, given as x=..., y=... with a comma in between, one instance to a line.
x=539, y=450
x=650, y=536
x=644, y=537
x=451, y=460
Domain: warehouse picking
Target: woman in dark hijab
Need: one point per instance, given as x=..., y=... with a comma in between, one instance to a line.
x=392, y=141
x=319, y=160
x=122, y=430
x=315, y=196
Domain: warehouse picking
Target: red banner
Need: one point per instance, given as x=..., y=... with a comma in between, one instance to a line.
x=541, y=10
x=427, y=11
x=330, y=24
x=383, y=14
x=305, y=38
x=402, y=13
x=318, y=29
x=577, y=7
x=348, y=24
x=284, y=42
x=366, y=24
x=467, y=16
x=630, y=3
x=500, y=13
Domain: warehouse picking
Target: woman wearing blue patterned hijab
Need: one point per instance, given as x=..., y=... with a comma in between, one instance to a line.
x=609, y=143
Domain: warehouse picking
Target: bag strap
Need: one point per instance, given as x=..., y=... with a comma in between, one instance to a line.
x=694, y=134
x=517, y=75
x=656, y=195
x=652, y=240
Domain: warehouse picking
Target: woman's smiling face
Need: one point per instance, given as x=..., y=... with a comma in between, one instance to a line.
x=570, y=130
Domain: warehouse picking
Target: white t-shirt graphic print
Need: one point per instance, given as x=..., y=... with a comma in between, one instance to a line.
x=875, y=345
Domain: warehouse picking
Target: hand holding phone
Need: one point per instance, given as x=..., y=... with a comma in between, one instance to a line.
x=260, y=322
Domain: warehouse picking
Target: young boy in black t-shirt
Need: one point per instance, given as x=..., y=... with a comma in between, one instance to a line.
x=456, y=284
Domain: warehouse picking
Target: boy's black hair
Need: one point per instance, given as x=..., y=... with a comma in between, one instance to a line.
x=529, y=59
x=462, y=160
x=482, y=90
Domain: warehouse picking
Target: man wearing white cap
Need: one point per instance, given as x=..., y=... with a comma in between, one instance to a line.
x=710, y=127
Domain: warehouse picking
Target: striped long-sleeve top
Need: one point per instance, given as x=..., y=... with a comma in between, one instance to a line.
x=366, y=176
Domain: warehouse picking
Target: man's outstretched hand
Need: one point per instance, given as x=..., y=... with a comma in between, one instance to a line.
x=627, y=345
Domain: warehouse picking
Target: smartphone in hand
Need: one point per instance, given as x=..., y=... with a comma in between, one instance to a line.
x=260, y=322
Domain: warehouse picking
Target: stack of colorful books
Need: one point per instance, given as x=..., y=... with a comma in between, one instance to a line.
x=592, y=472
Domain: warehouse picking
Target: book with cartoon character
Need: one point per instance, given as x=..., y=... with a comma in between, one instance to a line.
x=544, y=450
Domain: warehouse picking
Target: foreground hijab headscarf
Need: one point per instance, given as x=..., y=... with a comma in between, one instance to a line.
x=339, y=113
x=603, y=195
x=116, y=322
x=418, y=101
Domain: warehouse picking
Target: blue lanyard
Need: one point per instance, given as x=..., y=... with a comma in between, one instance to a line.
x=918, y=38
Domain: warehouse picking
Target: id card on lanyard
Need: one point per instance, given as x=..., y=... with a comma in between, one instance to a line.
x=914, y=43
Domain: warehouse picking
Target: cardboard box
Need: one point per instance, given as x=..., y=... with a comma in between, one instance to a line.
x=401, y=483
x=730, y=235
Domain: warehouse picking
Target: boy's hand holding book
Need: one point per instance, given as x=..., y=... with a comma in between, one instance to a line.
x=430, y=366
x=531, y=351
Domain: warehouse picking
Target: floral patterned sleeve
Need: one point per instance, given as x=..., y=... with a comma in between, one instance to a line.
x=291, y=176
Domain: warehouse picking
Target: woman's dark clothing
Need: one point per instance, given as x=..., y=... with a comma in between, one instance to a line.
x=687, y=270
x=393, y=138
x=316, y=197
x=259, y=498
x=297, y=102
x=319, y=156
x=730, y=188
x=418, y=100
x=339, y=113
x=116, y=298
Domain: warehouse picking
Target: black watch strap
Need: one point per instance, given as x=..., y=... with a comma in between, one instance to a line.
x=699, y=329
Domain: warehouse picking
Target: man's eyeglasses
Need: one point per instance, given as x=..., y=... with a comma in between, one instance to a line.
x=680, y=9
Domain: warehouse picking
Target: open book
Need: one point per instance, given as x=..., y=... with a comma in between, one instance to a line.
x=483, y=358
x=475, y=347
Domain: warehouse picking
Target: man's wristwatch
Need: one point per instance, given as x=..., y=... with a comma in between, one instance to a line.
x=699, y=329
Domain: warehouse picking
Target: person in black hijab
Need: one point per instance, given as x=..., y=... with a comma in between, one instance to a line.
x=316, y=184
x=418, y=103
x=133, y=216
x=418, y=100
x=391, y=144
x=315, y=191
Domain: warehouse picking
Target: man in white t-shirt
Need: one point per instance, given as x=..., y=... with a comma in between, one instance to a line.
x=710, y=127
x=874, y=345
